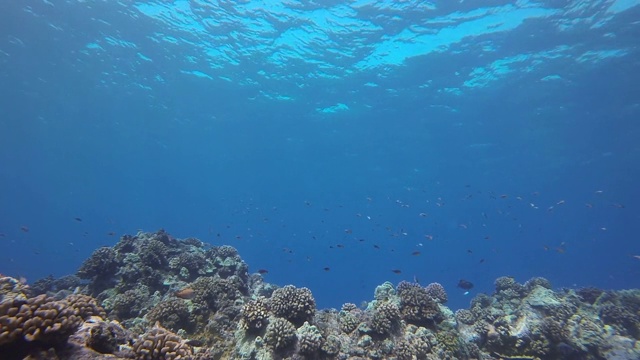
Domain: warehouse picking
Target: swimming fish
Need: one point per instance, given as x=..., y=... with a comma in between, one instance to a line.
x=465, y=284
x=263, y=271
x=186, y=293
x=396, y=271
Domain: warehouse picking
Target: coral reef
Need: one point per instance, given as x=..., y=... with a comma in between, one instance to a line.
x=168, y=298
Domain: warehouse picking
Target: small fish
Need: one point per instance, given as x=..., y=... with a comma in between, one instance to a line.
x=636, y=257
x=415, y=253
x=465, y=284
x=396, y=271
x=481, y=261
x=194, y=343
x=263, y=271
x=77, y=219
x=24, y=228
x=111, y=233
x=340, y=246
x=376, y=246
x=326, y=268
x=469, y=251
x=186, y=293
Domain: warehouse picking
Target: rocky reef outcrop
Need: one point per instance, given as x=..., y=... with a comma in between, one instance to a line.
x=153, y=296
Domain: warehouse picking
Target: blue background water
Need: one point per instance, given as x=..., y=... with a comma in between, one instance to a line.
x=495, y=140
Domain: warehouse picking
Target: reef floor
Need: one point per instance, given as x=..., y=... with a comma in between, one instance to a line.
x=152, y=296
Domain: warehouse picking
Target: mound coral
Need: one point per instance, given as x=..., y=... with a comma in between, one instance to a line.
x=255, y=314
x=280, y=334
x=437, y=292
x=173, y=314
x=294, y=304
x=45, y=319
x=309, y=339
x=386, y=318
x=418, y=307
x=102, y=264
x=160, y=343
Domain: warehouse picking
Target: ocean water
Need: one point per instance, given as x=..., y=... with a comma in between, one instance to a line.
x=335, y=144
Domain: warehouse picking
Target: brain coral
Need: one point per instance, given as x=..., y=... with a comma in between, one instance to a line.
x=280, y=333
x=417, y=307
x=160, y=343
x=294, y=304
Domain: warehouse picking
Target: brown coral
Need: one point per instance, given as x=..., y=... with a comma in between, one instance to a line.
x=255, y=314
x=437, y=292
x=417, y=307
x=386, y=318
x=45, y=319
x=173, y=314
x=101, y=264
x=280, y=333
x=160, y=343
x=294, y=304
x=309, y=339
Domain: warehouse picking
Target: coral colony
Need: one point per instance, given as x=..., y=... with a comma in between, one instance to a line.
x=152, y=296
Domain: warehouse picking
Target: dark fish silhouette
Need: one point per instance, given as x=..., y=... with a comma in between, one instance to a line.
x=327, y=269
x=465, y=284
x=77, y=219
x=263, y=271
x=194, y=343
x=396, y=271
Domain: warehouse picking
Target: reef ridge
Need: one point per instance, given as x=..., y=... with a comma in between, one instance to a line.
x=153, y=296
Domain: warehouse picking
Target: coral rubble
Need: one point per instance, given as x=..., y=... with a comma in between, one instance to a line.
x=152, y=296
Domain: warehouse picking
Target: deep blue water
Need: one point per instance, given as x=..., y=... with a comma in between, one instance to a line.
x=495, y=140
